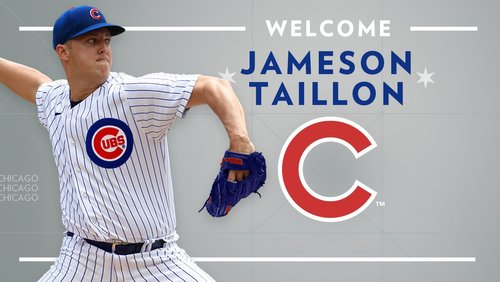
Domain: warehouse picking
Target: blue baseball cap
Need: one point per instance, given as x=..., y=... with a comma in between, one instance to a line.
x=78, y=21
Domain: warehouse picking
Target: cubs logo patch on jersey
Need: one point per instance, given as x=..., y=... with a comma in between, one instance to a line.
x=109, y=142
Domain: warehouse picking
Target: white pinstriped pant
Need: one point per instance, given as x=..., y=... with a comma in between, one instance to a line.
x=80, y=261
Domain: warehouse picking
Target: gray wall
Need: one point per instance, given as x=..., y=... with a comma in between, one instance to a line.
x=435, y=167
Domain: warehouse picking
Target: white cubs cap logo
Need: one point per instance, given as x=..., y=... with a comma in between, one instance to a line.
x=109, y=143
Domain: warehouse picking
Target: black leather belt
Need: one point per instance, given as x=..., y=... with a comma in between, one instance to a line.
x=121, y=248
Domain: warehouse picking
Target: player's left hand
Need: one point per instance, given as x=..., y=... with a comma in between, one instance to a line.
x=225, y=194
x=237, y=175
x=241, y=146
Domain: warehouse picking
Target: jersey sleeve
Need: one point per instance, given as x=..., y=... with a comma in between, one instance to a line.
x=157, y=100
x=43, y=100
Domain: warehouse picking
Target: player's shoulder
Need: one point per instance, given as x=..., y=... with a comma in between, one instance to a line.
x=158, y=81
x=116, y=78
x=152, y=77
x=51, y=85
x=52, y=88
x=124, y=78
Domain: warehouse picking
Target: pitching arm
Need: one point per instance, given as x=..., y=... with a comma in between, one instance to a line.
x=220, y=97
x=20, y=79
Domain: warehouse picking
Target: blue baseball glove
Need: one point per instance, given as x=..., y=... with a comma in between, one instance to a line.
x=226, y=194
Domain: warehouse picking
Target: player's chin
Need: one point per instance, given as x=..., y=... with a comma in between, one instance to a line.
x=104, y=70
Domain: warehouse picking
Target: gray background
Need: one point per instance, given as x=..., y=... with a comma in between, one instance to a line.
x=435, y=167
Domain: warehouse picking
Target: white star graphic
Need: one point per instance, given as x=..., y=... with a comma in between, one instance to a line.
x=425, y=77
x=228, y=76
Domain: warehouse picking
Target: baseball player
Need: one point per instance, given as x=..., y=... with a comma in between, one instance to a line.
x=108, y=133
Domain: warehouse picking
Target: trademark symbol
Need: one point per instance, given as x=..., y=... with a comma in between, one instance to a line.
x=380, y=204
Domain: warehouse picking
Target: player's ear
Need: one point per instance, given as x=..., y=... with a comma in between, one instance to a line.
x=62, y=51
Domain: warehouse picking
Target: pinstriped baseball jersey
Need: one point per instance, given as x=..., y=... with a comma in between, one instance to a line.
x=111, y=154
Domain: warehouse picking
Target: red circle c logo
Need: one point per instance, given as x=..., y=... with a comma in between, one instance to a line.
x=109, y=143
x=290, y=169
x=95, y=14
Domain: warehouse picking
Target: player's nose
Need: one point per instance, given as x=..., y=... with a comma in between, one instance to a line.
x=103, y=47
